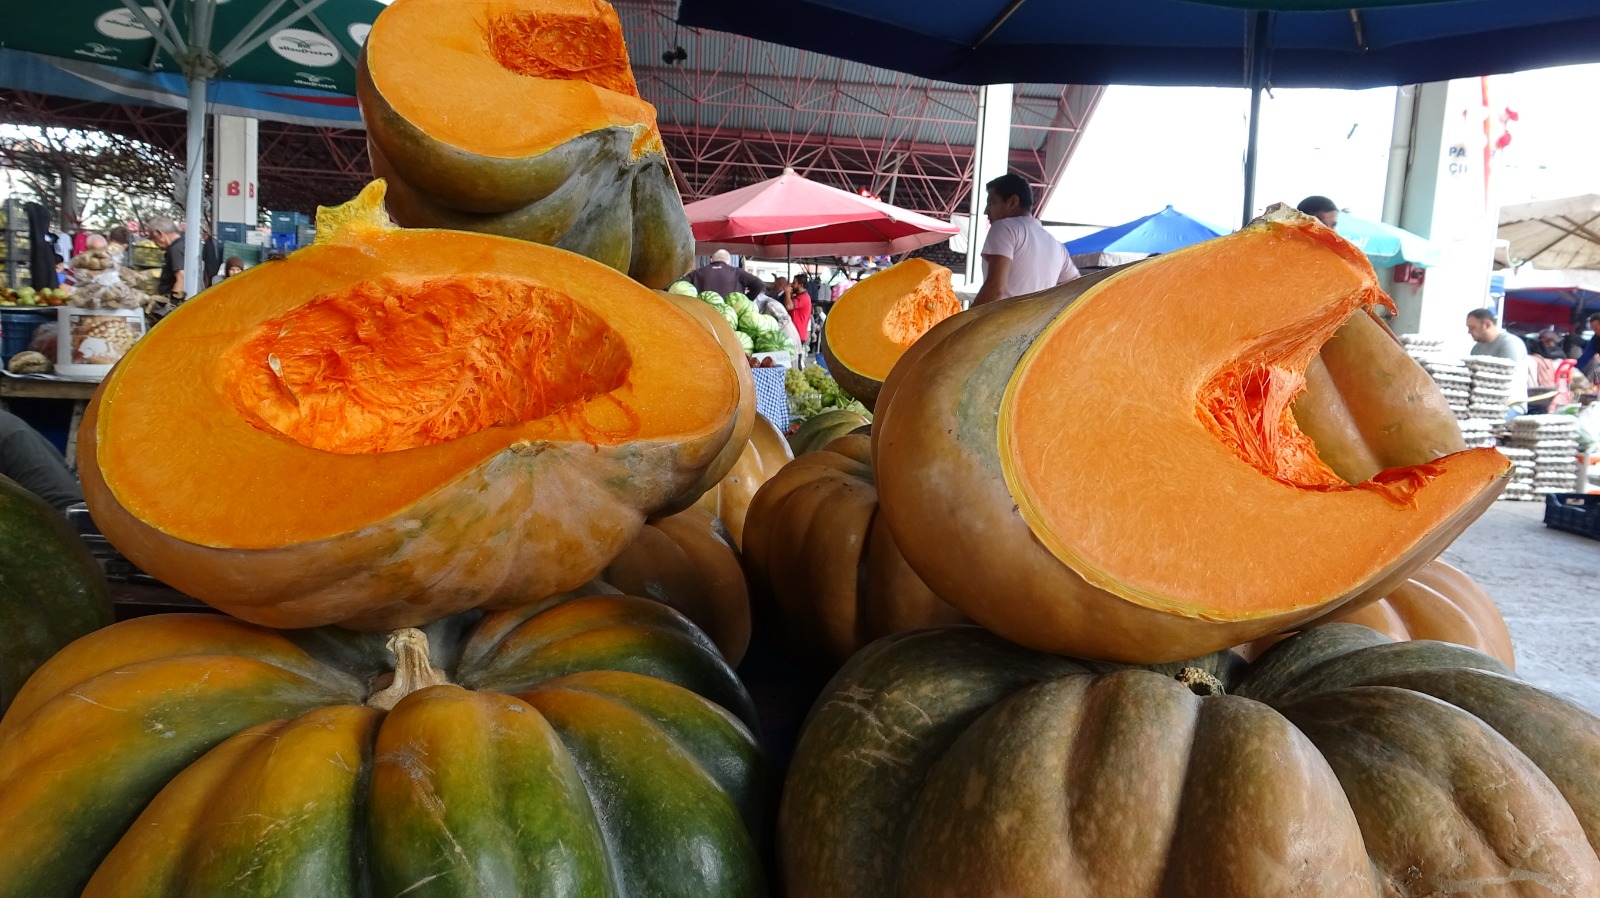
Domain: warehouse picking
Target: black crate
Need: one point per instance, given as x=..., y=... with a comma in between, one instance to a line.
x=1573, y=512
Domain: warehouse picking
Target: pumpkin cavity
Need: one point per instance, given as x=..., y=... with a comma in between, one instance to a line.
x=385, y=366
x=914, y=314
x=581, y=42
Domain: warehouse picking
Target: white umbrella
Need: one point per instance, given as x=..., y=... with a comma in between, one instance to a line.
x=1557, y=234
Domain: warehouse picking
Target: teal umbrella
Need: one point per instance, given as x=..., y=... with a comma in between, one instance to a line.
x=1386, y=245
x=289, y=43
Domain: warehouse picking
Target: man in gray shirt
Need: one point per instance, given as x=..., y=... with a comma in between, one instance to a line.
x=1490, y=339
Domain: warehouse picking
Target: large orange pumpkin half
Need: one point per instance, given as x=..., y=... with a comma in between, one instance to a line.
x=522, y=118
x=877, y=320
x=1113, y=468
x=392, y=425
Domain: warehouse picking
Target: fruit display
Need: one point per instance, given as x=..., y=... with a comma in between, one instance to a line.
x=951, y=762
x=338, y=470
x=826, y=567
x=103, y=284
x=598, y=747
x=1030, y=489
x=764, y=455
x=758, y=331
x=1439, y=603
x=28, y=296
x=51, y=588
x=521, y=118
x=878, y=319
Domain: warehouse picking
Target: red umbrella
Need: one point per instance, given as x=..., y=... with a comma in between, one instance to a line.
x=803, y=218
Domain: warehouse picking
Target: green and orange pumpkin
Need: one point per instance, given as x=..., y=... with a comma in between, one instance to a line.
x=1038, y=490
x=951, y=762
x=394, y=425
x=600, y=747
x=877, y=320
x=521, y=118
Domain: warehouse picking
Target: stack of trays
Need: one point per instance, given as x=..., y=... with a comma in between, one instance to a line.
x=1553, y=440
x=1491, y=385
x=1523, y=472
x=1479, y=434
x=1454, y=379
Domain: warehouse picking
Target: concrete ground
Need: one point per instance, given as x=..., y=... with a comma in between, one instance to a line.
x=1547, y=584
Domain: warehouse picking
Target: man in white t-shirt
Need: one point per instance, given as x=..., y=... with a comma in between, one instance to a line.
x=1019, y=255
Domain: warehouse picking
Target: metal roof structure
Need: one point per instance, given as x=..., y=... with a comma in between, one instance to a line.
x=732, y=111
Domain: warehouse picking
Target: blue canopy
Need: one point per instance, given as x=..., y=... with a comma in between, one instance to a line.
x=1386, y=245
x=1162, y=232
x=1303, y=43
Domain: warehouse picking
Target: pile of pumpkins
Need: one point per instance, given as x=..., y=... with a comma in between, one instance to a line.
x=491, y=521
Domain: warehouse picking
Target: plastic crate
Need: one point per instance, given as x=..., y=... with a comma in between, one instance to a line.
x=16, y=328
x=1573, y=512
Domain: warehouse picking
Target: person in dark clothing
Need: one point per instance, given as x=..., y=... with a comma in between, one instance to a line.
x=210, y=258
x=29, y=459
x=164, y=232
x=721, y=278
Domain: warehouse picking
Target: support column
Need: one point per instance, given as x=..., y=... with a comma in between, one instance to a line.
x=1447, y=198
x=234, y=206
x=990, y=159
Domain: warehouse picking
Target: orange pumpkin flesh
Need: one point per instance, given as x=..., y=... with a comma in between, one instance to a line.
x=1182, y=513
x=877, y=320
x=378, y=432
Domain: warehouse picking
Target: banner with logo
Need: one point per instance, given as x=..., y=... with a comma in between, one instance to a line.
x=297, y=65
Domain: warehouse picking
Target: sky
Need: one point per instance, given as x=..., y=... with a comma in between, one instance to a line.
x=1148, y=147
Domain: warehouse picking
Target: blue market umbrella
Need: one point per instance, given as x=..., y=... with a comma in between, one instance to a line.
x=1162, y=232
x=1204, y=43
x=1386, y=245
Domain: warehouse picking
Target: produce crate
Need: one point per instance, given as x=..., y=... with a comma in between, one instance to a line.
x=1573, y=512
x=16, y=328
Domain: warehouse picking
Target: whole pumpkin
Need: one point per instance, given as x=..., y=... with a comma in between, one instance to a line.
x=521, y=118
x=51, y=589
x=684, y=563
x=393, y=425
x=819, y=430
x=829, y=575
x=1440, y=603
x=764, y=455
x=1032, y=487
x=950, y=762
x=598, y=747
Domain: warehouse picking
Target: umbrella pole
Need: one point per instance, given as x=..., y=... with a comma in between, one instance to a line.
x=192, y=211
x=1259, y=48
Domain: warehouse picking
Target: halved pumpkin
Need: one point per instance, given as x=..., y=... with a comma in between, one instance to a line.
x=521, y=118
x=392, y=425
x=1112, y=468
x=877, y=320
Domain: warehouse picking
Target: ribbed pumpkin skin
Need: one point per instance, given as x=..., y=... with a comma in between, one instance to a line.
x=1440, y=603
x=764, y=456
x=820, y=430
x=684, y=563
x=745, y=420
x=1338, y=764
x=827, y=571
x=51, y=588
x=585, y=751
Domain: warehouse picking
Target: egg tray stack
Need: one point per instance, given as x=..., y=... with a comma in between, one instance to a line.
x=1491, y=386
x=1479, y=434
x=1453, y=377
x=1523, y=474
x=1553, y=440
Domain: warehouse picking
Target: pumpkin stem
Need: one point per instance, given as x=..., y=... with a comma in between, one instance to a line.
x=1200, y=682
x=411, y=669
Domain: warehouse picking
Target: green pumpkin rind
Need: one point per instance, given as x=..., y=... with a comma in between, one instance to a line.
x=449, y=784
x=51, y=589
x=1085, y=776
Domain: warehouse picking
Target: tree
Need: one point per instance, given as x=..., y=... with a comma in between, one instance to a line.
x=95, y=179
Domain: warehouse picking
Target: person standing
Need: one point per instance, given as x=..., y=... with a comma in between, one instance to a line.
x=1493, y=340
x=165, y=234
x=1019, y=255
x=1590, y=349
x=117, y=241
x=801, y=295
x=721, y=278
x=1322, y=209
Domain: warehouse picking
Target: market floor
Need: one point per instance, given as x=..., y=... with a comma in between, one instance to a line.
x=1547, y=583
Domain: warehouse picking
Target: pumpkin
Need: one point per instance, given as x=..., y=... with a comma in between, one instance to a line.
x=393, y=425
x=521, y=118
x=598, y=747
x=875, y=321
x=683, y=562
x=829, y=573
x=1439, y=602
x=51, y=589
x=764, y=455
x=1033, y=487
x=951, y=762
x=821, y=429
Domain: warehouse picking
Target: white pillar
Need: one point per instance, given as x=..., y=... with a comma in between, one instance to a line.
x=235, y=202
x=1448, y=200
x=991, y=158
